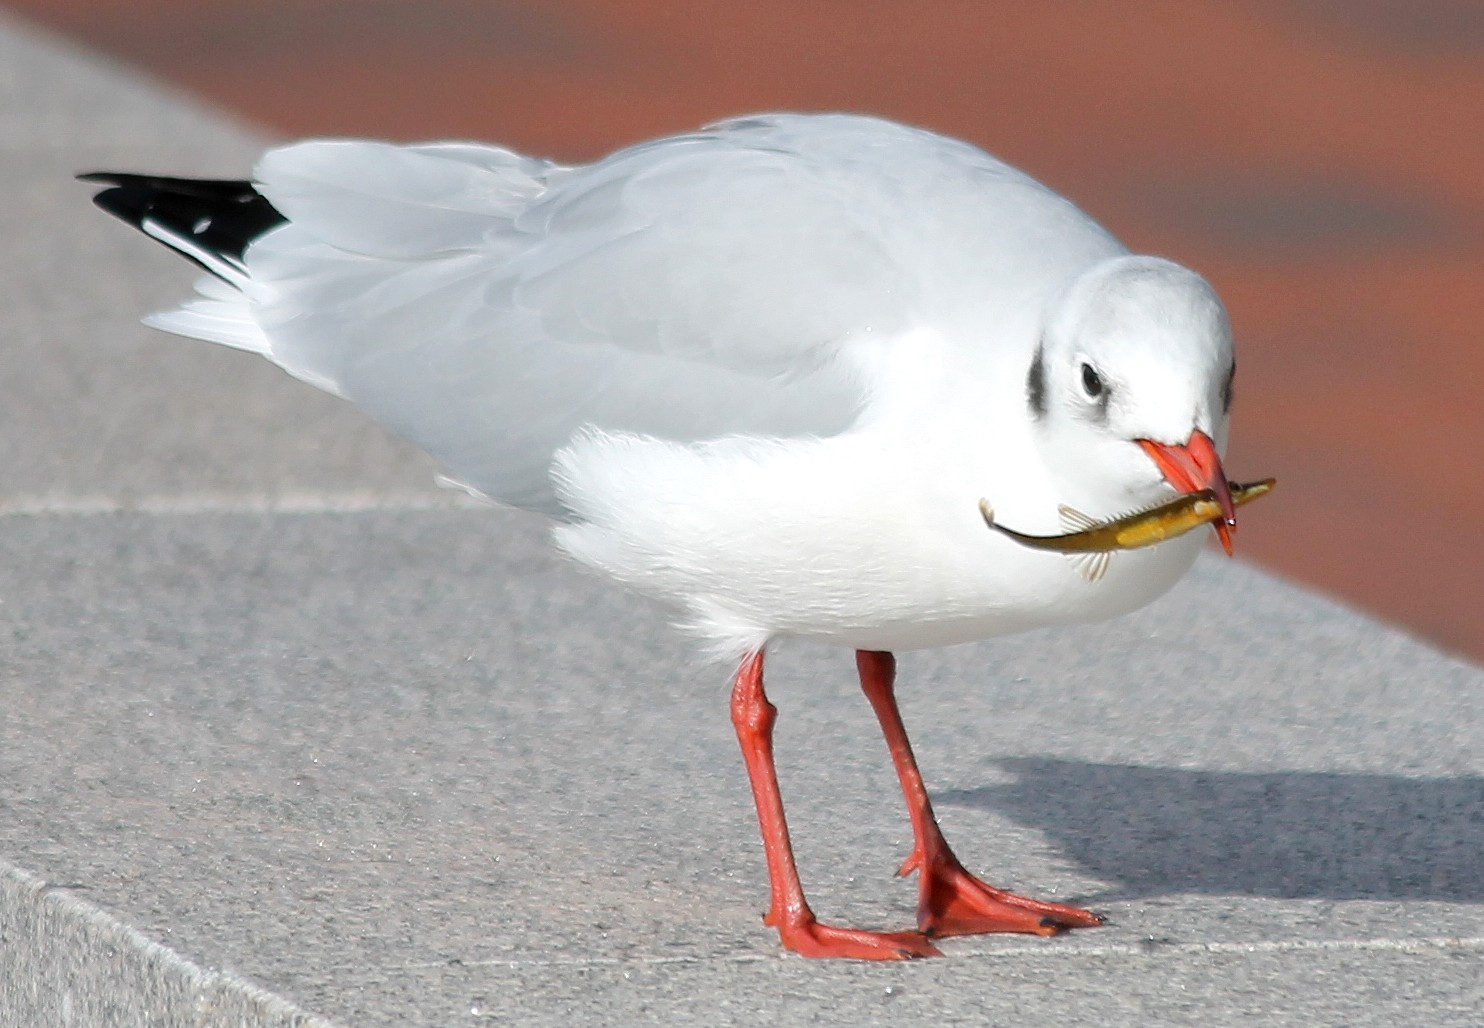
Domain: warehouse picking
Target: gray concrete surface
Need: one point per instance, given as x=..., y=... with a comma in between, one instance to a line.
x=288, y=734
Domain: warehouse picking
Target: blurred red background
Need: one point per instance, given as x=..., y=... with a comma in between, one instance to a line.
x=1319, y=160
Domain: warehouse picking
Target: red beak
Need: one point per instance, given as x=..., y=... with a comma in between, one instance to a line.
x=1193, y=467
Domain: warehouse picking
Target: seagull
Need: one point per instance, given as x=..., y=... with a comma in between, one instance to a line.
x=765, y=372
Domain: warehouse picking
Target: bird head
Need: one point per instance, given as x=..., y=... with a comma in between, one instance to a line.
x=1130, y=387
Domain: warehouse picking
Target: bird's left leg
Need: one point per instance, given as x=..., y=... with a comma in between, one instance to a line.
x=950, y=900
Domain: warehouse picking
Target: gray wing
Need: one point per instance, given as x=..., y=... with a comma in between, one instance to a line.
x=487, y=306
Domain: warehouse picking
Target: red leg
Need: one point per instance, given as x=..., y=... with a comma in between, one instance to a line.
x=951, y=901
x=788, y=911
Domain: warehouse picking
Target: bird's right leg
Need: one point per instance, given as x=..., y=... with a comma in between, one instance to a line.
x=788, y=911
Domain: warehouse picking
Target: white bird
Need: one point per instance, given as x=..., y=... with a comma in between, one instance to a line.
x=764, y=372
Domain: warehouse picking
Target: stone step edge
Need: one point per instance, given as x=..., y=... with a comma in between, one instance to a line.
x=64, y=961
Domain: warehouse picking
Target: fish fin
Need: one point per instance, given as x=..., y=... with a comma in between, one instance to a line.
x=1073, y=520
x=1092, y=566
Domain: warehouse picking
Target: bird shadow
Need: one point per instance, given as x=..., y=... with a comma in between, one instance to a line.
x=1151, y=831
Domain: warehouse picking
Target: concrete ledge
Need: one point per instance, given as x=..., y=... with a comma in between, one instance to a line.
x=65, y=962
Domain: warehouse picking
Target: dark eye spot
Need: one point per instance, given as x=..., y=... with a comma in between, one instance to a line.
x=1226, y=389
x=1092, y=382
x=1035, y=384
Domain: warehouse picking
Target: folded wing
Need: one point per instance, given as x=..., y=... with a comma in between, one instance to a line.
x=487, y=306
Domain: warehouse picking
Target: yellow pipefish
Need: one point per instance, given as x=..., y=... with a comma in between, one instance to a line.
x=1092, y=543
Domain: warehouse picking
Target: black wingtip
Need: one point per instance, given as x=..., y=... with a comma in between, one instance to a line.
x=123, y=202
x=221, y=216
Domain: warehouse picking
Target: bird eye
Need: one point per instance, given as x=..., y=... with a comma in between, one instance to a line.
x=1091, y=381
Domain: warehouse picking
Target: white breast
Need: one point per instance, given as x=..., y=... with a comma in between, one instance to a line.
x=863, y=539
